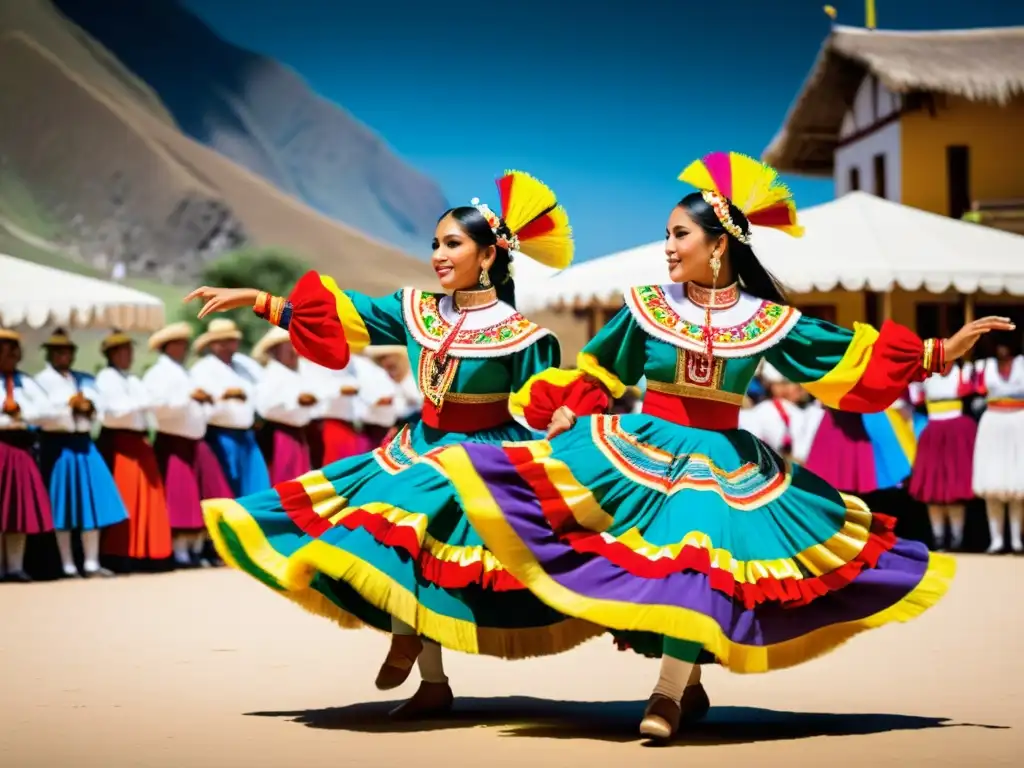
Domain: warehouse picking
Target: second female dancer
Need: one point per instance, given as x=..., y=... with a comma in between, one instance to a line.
x=379, y=539
x=674, y=529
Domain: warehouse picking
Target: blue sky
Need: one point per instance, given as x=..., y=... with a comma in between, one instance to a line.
x=604, y=101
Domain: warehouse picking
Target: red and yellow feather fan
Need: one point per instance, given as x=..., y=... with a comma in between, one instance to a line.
x=539, y=224
x=752, y=186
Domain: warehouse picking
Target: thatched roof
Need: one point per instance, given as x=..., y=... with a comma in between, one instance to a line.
x=978, y=64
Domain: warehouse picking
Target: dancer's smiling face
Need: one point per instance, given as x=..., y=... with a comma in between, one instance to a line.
x=464, y=245
x=689, y=249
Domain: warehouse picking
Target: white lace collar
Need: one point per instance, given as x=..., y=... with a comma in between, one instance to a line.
x=747, y=328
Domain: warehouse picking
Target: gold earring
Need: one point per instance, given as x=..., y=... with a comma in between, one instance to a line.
x=716, y=265
x=485, y=278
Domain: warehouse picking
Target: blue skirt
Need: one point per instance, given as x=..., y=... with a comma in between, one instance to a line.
x=240, y=458
x=82, y=490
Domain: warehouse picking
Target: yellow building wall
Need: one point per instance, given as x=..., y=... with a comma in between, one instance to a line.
x=993, y=134
x=849, y=305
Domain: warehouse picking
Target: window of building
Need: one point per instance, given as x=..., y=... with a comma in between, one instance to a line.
x=879, y=163
x=958, y=171
x=940, y=320
x=826, y=312
x=854, y=180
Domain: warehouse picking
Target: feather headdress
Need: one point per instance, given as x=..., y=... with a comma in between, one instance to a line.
x=537, y=225
x=752, y=186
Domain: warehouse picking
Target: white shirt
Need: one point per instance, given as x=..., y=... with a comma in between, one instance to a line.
x=955, y=384
x=374, y=385
x=60, y=388
x=277, y=396
x=254, y=369
x=125, y=402
x=216, y=378
x=995, y=386
x=170, y=387
x=29, y=396
x=327, y=386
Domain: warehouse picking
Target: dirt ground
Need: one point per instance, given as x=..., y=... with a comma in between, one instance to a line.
x=208, y=668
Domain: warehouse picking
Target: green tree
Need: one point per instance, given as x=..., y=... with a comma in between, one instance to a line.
x=269, y=269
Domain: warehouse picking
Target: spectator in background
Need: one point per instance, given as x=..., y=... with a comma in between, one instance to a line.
x=24, y=503
x=126, y=417
x=232, y=417
x=189, y=470
x=82, y=490
x=285, y=401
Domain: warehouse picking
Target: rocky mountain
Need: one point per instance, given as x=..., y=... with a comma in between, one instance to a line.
x=98, y=154
x=264, y=117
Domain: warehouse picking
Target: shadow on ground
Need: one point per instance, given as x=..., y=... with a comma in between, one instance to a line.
x=615, y=721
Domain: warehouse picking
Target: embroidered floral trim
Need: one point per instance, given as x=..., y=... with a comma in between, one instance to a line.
x=429, y=327
x=764, y=328
x=721, y=298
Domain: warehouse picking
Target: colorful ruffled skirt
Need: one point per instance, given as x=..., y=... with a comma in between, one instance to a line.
x=999, y=455
x=24, y=502
x=862, y=453
x=191, y=473
x=146, y=534
x=380, y=536
x=944, y=466
x=83, y=494
x=653, y=529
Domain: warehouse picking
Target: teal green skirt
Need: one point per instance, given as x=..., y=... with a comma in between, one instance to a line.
x=657, y=530
x=381, y=535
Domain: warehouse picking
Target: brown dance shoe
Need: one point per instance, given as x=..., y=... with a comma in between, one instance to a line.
x=430, y=700
x=695, y=704
x=401, y=658
x=661, y=718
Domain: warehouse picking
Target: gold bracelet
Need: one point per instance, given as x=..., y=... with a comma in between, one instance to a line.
x=929, y=353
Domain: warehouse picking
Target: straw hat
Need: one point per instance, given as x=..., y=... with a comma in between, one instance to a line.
x=383, y=350
x=220, y=329
x=114, y=340
x=8, y=335
x=59, y=338
x=174, y=332
x=273, y=338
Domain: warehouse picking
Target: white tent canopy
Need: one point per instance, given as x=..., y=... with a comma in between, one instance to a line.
x=858, y=242
x=35, y=296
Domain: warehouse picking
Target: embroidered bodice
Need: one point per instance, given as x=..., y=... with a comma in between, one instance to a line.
x=674, y=344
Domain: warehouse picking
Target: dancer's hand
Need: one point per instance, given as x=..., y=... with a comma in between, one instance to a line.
x=562, y=421
x=384, y=402
x=233, y=394
x=12, y=409
x=222, y=299
x=963, y=341
x=348, y=390
x=306, y=400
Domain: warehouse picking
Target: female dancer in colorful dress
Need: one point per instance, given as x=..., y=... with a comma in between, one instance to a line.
x=999, y=449
x=944, y=462
x=378, y=538
x=672, y=527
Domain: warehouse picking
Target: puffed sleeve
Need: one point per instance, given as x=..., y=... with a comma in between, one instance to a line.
x=863, y=370
x=327, y=324
x=611, y=362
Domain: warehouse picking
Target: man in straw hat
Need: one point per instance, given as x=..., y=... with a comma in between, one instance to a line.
x=126, y=417
x=232, y=414
x=82, y=490
x=24, y=504
x=188, y=467
x=284, y=400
